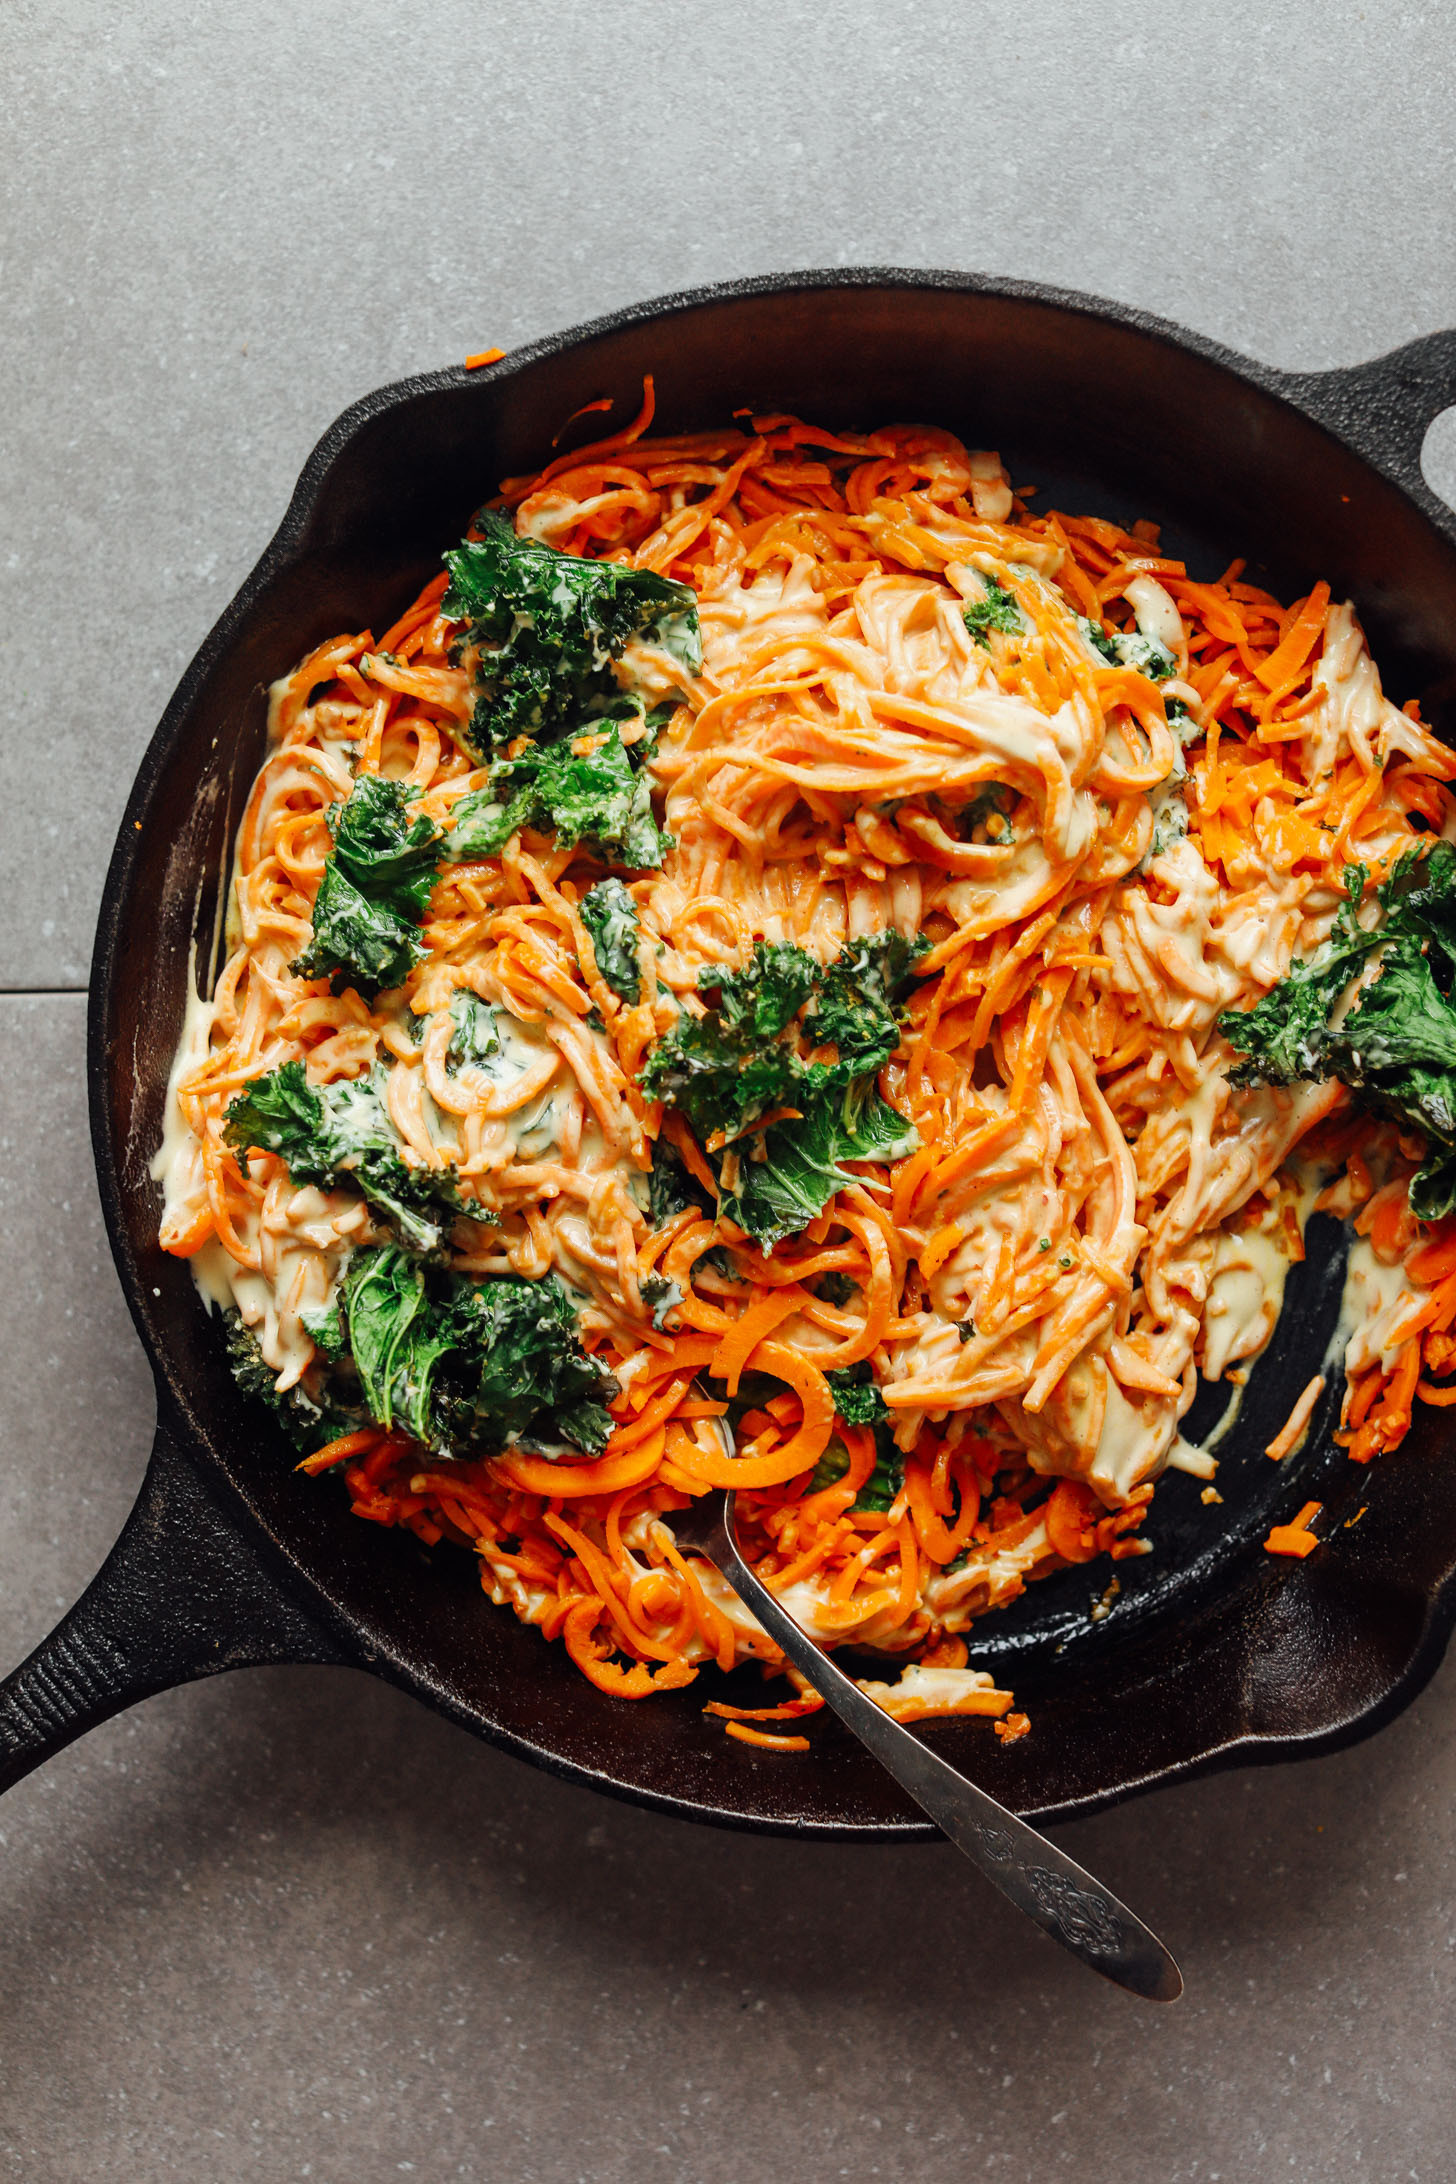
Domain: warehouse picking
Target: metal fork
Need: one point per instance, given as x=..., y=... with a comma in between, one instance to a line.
x=1051, y=1888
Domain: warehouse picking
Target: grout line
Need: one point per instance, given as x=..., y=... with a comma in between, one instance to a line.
x=38, y=993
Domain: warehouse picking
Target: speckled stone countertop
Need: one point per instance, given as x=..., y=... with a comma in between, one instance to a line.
x=287, y=1924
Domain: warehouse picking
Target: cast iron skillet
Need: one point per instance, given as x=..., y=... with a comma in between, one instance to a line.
x=1213, y=1651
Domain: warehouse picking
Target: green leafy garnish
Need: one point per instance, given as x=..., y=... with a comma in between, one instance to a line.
x=341, y=1133
x=856, y=1395
x=855, y=1008
x=1129, y=648
x=802, y=1162
x=661, y=1295
x=314, y=1411
x=470, y=1366
x=887, y=1478
x=376, y=887
x=1395, y=1045
x=745, y=1055
x=530, y=1378
x=995, y=609
x=597, y=799
x=545, y=627
x=610, y=916
x=473, y=1037
x=1286, y=1034
x=395, y=1338
x=884, y=1482
x=672, y=1188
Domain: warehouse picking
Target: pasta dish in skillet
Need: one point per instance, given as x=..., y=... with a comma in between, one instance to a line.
x=791, y=967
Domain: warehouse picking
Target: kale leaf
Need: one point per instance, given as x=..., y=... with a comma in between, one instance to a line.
x=376, y=887
x=995, y=609
x=731, y=1064
x=473, y=1037
x=1129, y=648
x=467, y=1366
x=741, y=1058
x=856, y=1395
x=1395, y=1045
x=610, y=916
x=312, y=1412
x=597, y=798
x=801, y=1165
x=855, y=1007
x=530, y=1379
x=341, y=1133
x=1285, y=1035
x=661, y=1295
x=882, y=1485
x=672, y=1187
x=887, y=1478
x=395, y=1338
x=546, y=626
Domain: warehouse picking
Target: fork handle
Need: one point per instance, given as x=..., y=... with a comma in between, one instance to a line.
x=1031, y=1872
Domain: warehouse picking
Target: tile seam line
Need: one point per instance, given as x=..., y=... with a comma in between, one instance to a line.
x=40, y=993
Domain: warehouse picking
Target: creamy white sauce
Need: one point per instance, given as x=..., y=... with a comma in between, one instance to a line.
x=175, y=1163
x=1245, y=1298
x=1373, y=1308
x=1158, y=618
x=1184, y=1456
x=928, y=1686
x=1133, y=1444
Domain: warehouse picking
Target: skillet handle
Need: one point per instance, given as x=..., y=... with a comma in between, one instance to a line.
x=179, y=1596
x=1385, y=408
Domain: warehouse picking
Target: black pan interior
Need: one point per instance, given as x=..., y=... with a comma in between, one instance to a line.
x=1210, y=1644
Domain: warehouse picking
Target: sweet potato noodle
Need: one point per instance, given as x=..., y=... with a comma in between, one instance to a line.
x=1109, y=804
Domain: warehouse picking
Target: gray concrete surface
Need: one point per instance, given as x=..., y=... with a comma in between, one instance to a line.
x=287, y=1925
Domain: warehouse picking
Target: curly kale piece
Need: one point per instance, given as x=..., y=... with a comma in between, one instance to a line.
x=473, y=1036
x=544, y=628
x=730, y=1065
x=395, y=1337
x=530, y=1377
x=314, y=1411
x=1129, y=648
x=884, y=1482
x=995, y=609
x=857, y=1397
x=341, y=1133
x=672, y=1188
x=469, y=1367
x=376, y=887
x=780, y=1190
x=1286, y=1035
x=856, y=1008
x=610, y=916
x=743, y=1057
x=661, y=1295
x=596, y=798
x=1395, y=1045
